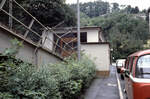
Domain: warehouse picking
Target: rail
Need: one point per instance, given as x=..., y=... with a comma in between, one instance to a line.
x=28, y=31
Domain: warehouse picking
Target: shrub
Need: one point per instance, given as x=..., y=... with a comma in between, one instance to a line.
x=73, y=76
x=7, y=65
x=65, y=80
x=6, y=95
x=83, y=70
x=28, y=82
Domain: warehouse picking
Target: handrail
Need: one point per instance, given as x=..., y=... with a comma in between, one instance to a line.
x=20, y=22
x=29, y=14
x=28, y=28
x=2, y=4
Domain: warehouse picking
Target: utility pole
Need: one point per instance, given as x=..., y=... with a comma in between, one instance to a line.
x=78, y=29
x=149, y=20
x=10, y=12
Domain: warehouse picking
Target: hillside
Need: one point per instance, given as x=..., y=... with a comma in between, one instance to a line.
x=122, y=25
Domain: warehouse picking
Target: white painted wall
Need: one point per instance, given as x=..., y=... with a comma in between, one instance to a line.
x=92, y=36
x=49, y=41
x=100, y=53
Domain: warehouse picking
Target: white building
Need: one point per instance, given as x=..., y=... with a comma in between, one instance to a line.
x=92, y=43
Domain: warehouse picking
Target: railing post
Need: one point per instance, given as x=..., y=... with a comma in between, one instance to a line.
x=44, y=36
x=2, y=4
x=30, y=25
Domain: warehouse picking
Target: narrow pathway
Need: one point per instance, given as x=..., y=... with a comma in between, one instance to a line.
x=104, y=88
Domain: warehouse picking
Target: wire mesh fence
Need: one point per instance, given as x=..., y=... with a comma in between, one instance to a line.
x=26, y=25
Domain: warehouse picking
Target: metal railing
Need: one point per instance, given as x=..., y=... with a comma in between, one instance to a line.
x=30, y=31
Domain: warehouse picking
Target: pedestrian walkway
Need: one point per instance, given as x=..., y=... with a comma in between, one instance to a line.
x=104, y=88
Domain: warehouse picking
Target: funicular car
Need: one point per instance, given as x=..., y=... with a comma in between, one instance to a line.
x=137, y=75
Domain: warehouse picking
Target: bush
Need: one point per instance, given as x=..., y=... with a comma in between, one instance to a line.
x=65, y=80
x=73, y=76
x=6, y=95
x=28, y=82
x=7, y=65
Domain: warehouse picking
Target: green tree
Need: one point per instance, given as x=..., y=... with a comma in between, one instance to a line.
x=49, y=12
x=135, y=10
x=125, y=33
x=52, y=12
x=93, y=9
x=115, y=7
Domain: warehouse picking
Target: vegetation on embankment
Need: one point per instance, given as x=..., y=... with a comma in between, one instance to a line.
x=21, y=80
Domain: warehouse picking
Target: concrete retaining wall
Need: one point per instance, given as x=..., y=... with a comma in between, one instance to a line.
x=27, y=52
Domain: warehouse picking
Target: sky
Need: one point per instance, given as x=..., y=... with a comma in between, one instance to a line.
x=142, y=4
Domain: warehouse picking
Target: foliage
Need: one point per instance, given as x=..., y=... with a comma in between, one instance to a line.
x=123, y=27
x=125, y=32
x=28, y=82
x=73, y=76
x=21, y=80
x=115, y=7
x=65, y=80
x=93, y=9
x=147, y=45
x=52, y=12
x=100, y=8
x=131, y=10
x=13, y=50
x=48, y=12
x=85, y=20
x=6, y=96
x=8, y=63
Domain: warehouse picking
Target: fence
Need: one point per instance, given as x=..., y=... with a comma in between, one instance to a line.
x=29, y=27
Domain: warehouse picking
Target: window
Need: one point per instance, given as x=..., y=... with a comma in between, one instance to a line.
x=83, y=37
x=131, y=64
x=143, y=67
x=127, y=63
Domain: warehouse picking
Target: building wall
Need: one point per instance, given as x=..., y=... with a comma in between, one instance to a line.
x=100, y=54
x=27, y=53
x=92, y=36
